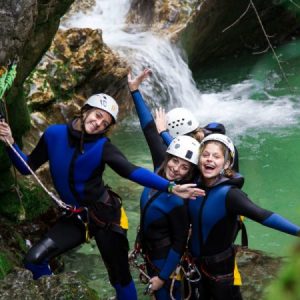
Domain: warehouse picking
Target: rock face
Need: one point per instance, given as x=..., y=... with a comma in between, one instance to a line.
x=204, y=40
x=164, y=17
x=17, y=20
x=27, y=29
x=19, y=285
x=77, y=65
x=199, y=25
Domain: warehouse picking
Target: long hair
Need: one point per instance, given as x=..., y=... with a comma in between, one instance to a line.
x=187, y=178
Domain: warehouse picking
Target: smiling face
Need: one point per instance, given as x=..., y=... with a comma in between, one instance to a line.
x=212, y=162
x=177, y=168
x=96, y=120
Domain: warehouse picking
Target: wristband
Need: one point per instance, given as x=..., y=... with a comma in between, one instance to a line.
x=171, y=186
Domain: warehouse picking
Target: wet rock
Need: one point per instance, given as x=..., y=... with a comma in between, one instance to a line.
x=80, y=6
x=19, y=285
x=205, y=40
x=164, y=17
x=17, y=20
x=257, y=269
x=77, y=62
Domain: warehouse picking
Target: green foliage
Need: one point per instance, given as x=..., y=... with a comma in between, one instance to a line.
x=5, y=265
x=33, y=203
x=4, y=161
x=287, y=286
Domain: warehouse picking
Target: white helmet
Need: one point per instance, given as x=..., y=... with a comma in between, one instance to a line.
x=186, y=148
x=104, y=102
x=181, y=121
x=224, y=139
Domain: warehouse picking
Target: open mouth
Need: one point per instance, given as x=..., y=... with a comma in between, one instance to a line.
x=209, y=167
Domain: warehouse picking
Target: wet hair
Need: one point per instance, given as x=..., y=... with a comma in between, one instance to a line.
x=227, y=172
x=187, y=178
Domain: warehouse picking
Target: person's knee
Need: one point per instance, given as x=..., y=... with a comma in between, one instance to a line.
x=40, y=252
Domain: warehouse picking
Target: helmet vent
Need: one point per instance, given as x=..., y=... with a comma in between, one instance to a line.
x=189, y=154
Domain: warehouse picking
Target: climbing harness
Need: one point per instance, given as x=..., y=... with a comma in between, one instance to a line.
x=84, y=220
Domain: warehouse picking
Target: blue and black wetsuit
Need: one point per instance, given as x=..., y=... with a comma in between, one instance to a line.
x=77, y=178
x=164, y=217
x=214, y=225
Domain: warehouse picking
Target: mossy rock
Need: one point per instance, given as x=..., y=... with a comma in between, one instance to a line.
x=67, y=286
x=5, y=265
x=33, y=202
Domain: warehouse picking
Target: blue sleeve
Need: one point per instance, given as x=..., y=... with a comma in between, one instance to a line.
x=167, y=138
x=146, y=178
x=142, y=109
x=278, y=222
x=170, y=265
x=17, y=161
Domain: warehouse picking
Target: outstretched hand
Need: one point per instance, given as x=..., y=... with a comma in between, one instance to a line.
x=160, y=119
x=187, y=191
x=135, y=82
x=5, y=133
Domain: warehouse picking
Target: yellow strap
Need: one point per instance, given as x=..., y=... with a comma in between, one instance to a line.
x=124, y=219
x=236, y=275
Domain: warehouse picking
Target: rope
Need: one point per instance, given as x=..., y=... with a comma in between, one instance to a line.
x=59, y=202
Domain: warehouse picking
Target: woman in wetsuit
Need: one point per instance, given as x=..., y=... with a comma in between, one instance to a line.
x=214, y=220
x=164, y=219
x=77, y=153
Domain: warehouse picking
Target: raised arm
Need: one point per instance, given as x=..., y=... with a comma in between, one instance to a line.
x=161, y=125
x=155, y=144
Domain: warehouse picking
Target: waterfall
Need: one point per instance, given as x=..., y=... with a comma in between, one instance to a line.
x=172, y=84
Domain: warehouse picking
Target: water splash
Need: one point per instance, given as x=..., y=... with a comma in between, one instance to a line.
x=172, y=83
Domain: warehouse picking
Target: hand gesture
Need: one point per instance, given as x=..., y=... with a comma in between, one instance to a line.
x=135, y=82
x=187, y=191
x=160, y=119
x=5, y=133
x=156, y=284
